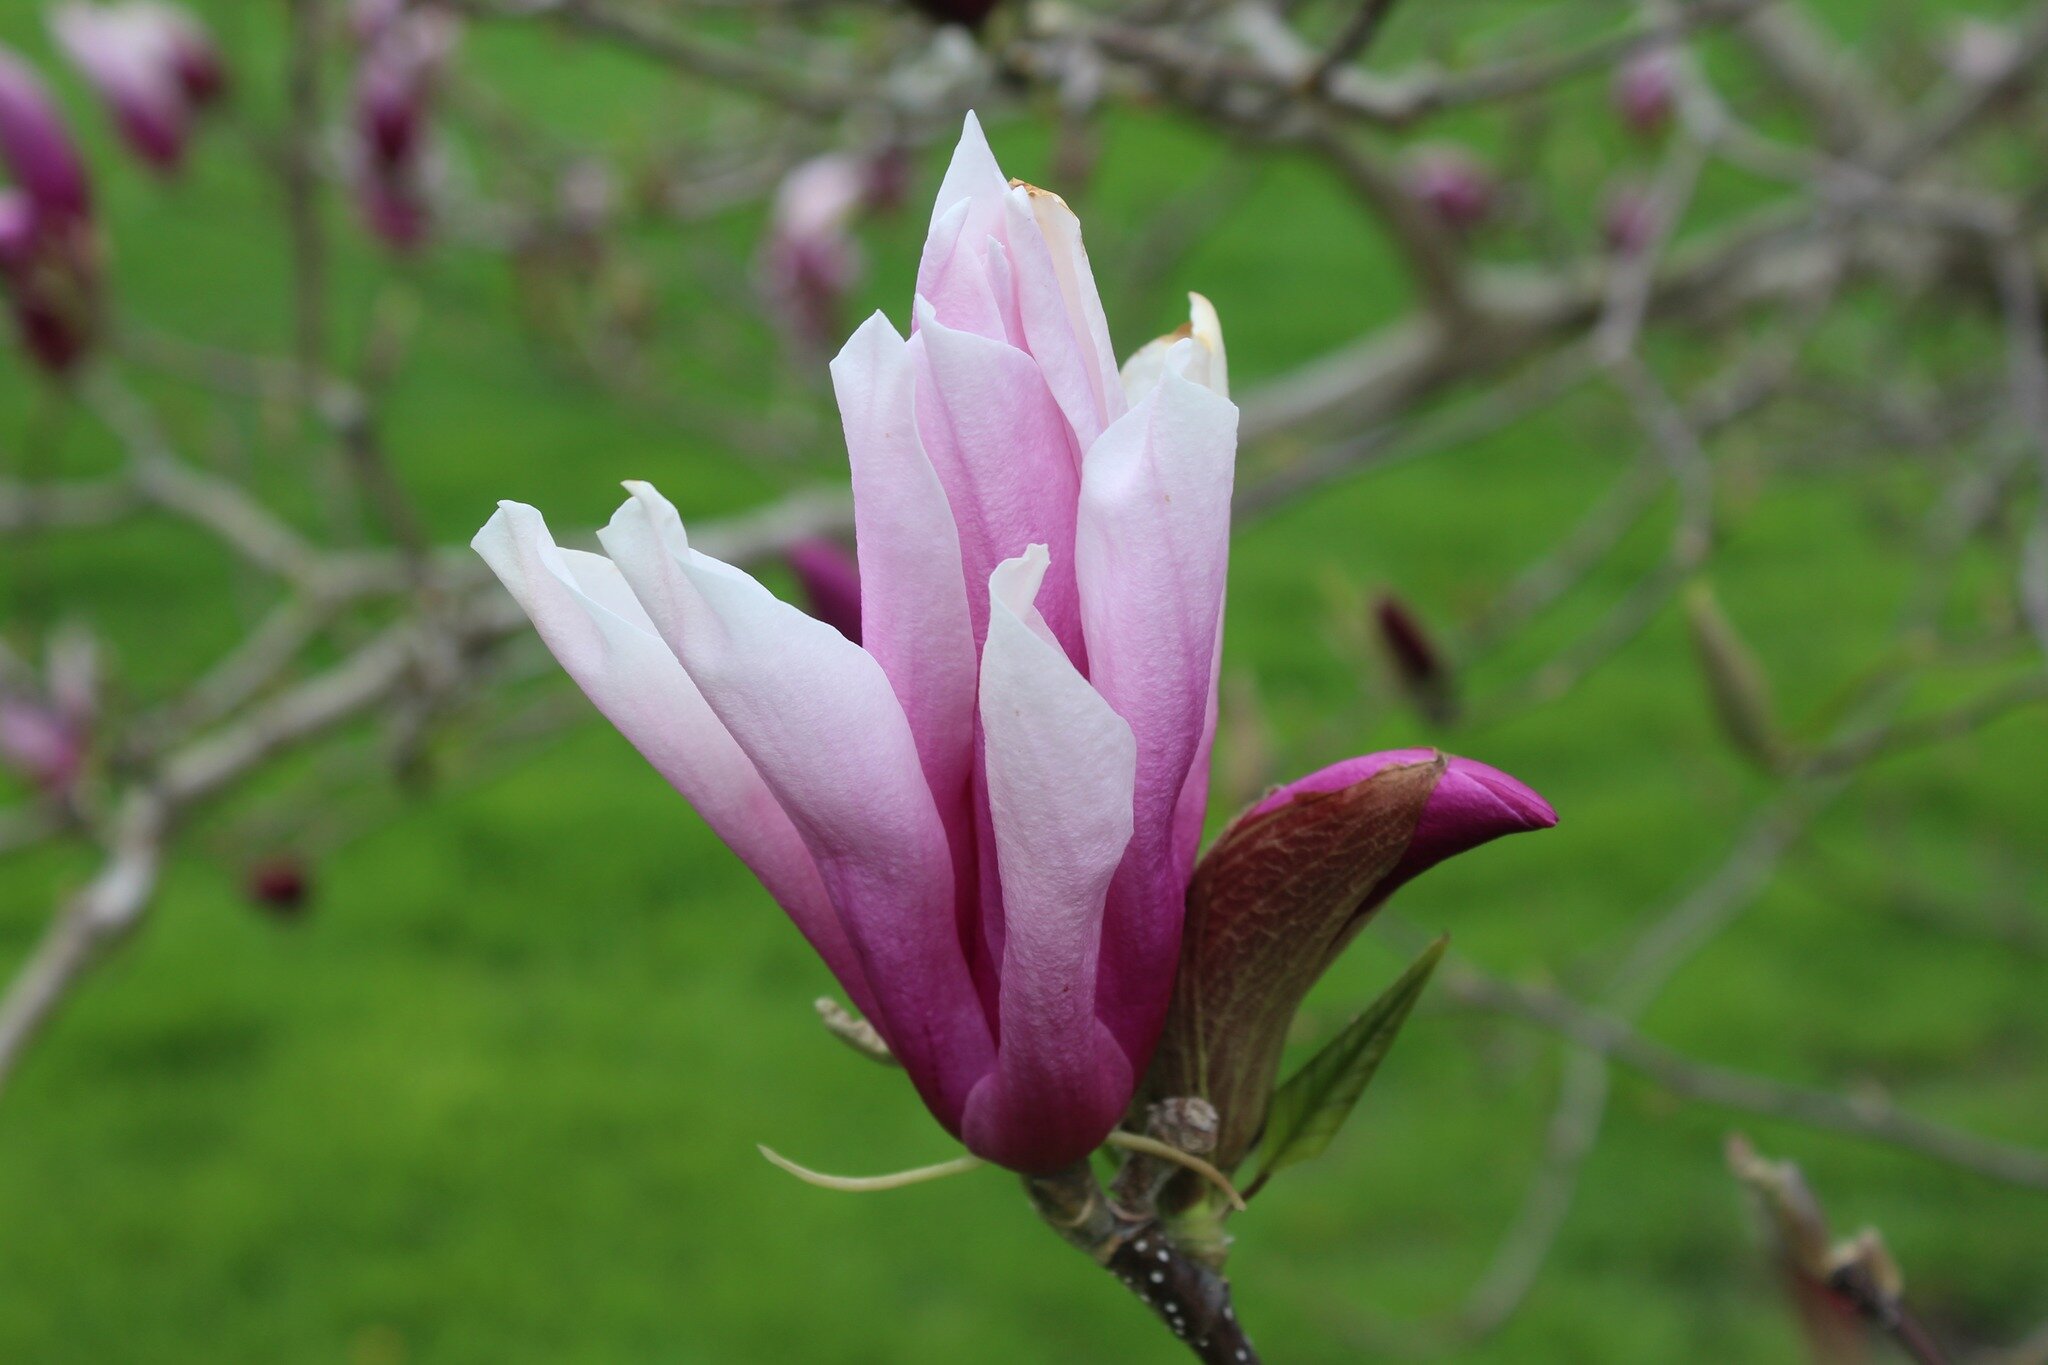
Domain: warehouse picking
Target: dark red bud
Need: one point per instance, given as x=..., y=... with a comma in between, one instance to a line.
x=281, y=887
x=830, y=578
x=1423, y=672
x=1628, y=223
x=1452, y=185
x=970, y=14
x=1646, y=92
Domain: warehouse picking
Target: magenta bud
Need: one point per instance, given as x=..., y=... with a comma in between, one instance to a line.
x=17, y=231
x=38, y=744
x=830, y=578
x=368, y=20
x=1286, y=888
x=36, y=146
x=969, y=14
x=281, y=887
x=1629, y=220
x=48, y=254
x=1646, y=91
x=1452, y=185
x=890, y=169
x=394, y=211
x=42, y=744
x=142, y=60
x=194, y=58
x=394, y=89
x=1420, y=667
x=810, y=261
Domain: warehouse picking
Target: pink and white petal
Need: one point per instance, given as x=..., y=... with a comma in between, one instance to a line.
x=914, y=596
x=914, y=615
x=1153, y=545
x=1004, y=454
x=1061, y=231
x=972, y=174
x=1060, y=765
x=953, y=277
x=1049, y=328
x=816, y=715
x=968, y=211
x=1204, y=363
x=596, y=629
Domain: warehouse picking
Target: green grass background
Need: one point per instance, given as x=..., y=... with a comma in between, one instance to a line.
x=496, y=1098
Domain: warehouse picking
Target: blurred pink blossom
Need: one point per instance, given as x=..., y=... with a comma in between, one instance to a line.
x=49, y=257
x=152, y=63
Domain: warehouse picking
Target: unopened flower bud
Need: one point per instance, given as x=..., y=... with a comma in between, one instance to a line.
x=153, y=65
x=1452, y=185
x=810, y=260
x=1418, y=664
x=1628, y=220
x=395, y=83
x=1646, y=91
x=281, y=887
x=1816, y=1270
x=194, y=57
x=1736, y=683
x=1286, y=888
x=830, y=578
x=37, y=147
x=889, y=170
x=41, y=743
x=48, y=248
x=969, y=14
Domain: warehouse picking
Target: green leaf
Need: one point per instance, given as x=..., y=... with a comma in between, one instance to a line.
x=1312, y=1105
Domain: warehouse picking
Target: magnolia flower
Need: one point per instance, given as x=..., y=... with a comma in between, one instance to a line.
x=48, y=251
x=152, y=63
x=984, y=815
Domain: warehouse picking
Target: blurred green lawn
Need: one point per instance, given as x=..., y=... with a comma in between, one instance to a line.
x=497, y=1098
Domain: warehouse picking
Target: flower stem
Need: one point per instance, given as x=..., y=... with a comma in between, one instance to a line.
x=1189, y=1296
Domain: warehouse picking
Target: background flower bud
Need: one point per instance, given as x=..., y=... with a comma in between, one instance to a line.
x=1646, y=92
x=1452, y=185
x=810, y=260
x=1628, y=220
x=1419, y=665
x=830, y=578
x=152, y=64
x=1286, y=888
x=1736, y=683
x=404, y=53
x=281, y=887
x=969, y=14
x=48, y=250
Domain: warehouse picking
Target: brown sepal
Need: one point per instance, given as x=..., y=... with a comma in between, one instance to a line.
x=1277, y=897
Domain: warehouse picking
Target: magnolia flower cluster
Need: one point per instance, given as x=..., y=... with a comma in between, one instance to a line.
x=49, y=255
x=153, y=64
x=984, y=815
